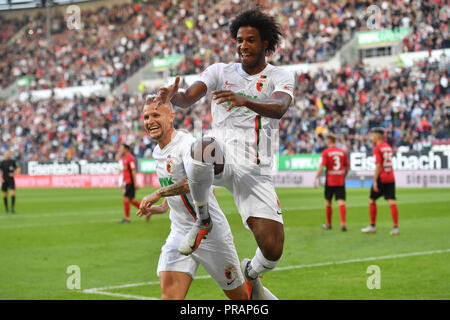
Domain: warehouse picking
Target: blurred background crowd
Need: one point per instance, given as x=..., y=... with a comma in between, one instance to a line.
x=114, y=42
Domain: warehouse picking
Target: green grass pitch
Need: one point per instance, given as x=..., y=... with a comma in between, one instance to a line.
x=56, y=228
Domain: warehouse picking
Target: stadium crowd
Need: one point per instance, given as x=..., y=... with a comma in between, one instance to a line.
x=411, y=102
x=112, y=43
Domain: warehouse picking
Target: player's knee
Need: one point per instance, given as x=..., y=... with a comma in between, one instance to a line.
x=207, y=150
x=275, y=252
x=273, y=248
x=391, y=202
x=204, y=150
x=269, y=236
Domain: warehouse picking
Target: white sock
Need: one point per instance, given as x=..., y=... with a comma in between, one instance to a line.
x=260, y=264
x=269, y=295
x=200, y=178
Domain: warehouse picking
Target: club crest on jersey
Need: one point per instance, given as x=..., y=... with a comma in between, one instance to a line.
x=261, y=82
x=169, y=164
x=259, y=86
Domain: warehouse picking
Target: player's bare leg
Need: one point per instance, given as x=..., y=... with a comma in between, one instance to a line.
x=328, y=213
x=394, y=213
x=174, y=285
x=240, y=293
x=343, y=212
x=269, y=236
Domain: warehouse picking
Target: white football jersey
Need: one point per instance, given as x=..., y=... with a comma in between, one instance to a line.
x=253, y=137
x=170, y=168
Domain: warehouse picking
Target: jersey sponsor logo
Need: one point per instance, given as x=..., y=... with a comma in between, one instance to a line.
x=243, y=109
x=227, y=83
x=246, y=95
x=165, y=181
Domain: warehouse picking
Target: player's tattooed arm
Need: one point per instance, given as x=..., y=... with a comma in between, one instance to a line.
x=176, y=189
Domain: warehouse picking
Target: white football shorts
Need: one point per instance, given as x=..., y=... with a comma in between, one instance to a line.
x=253, y=192
x=219, y=258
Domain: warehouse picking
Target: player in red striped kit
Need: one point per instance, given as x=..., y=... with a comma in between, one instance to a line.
x=129, y=180
x=336, y=161
x=383, y=181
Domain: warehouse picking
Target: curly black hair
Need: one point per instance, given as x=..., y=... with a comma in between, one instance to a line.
x=268, y=28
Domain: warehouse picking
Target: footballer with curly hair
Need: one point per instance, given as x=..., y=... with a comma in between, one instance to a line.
x=249, y=99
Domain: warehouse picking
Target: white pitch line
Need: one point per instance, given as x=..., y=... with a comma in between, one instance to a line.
x=392, y=256
x=32, y=225
x=114, y=294
x=131, y=285
x=30, y=215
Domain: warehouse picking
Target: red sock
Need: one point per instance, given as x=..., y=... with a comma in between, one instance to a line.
x=136, y=203
x=373, y=213
x=329, y=211
x=342, y=210
x=394, y=213
x=126, y=208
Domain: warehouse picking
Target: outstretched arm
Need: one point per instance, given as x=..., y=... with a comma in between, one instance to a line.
x=182, y=99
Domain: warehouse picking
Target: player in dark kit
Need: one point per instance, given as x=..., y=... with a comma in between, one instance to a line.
x=336, y=161
x=383, y=181
x=9, y=169
x=129, y=180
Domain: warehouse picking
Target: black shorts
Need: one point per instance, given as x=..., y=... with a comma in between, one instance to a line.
x=8, y=184
x=129, y=191
x=338, y=191
x=384, y=189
